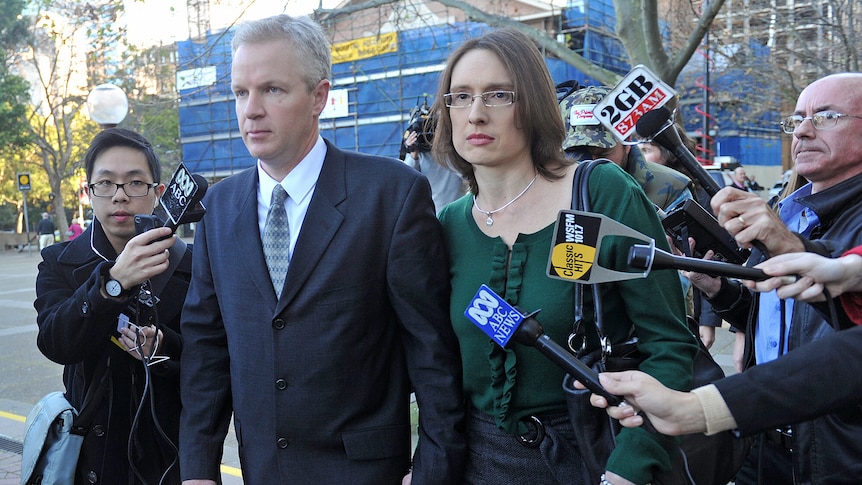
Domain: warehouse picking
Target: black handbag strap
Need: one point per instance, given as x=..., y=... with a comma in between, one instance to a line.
x=581, y=202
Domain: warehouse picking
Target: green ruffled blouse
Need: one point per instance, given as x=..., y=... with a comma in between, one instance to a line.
x=511, y=384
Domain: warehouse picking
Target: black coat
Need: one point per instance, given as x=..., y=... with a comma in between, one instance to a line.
x=76, y=324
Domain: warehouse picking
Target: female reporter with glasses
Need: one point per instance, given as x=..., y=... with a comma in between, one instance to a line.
x=500, y=128
x=108, y=308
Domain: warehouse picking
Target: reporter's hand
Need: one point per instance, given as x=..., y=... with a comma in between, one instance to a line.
x=749, y=218
x=671, y=412
x=707, y=335
x=410, y=141
x=140, y=341
x=707, y=284
x=816, y=273
x=143, y=257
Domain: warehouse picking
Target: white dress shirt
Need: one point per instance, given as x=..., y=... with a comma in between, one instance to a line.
x=299, y=185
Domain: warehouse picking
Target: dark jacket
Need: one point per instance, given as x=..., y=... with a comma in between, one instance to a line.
x=798, y=386
x=75, y=328
x=319, y=379
x=826, y=449
x=45, y=226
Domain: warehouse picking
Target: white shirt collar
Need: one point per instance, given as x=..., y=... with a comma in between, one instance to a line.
x=300, y=181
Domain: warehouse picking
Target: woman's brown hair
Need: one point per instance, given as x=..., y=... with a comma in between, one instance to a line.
x=537, y=110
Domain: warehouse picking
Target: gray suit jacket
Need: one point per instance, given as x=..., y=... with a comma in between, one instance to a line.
x=319, y=380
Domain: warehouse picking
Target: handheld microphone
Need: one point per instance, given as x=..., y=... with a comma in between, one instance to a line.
x=657, y=125
x=503, y=322
x=649, y=257
x=181, y=202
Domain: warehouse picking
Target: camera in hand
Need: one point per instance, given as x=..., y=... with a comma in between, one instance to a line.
x=689, y=219
x=423, y=123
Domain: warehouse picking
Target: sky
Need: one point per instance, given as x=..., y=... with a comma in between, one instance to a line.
x=153, y=22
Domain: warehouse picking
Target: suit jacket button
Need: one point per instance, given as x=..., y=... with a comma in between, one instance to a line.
x=99, y=430
x=282, y=443
x=281, y=384
x=278, y=323
x=92, y=477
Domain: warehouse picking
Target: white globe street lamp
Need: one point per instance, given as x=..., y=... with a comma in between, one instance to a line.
x=107, y=105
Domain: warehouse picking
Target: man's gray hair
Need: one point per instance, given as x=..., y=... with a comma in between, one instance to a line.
x=306, y=36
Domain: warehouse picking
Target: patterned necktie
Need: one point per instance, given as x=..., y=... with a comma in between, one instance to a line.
x=276, y=239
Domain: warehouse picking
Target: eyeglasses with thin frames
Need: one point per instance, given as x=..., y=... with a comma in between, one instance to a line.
x=491, y=99
x=135, y=188
x=823, y=120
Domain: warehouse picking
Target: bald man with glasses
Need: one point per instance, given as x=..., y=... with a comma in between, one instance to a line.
x=823, y=217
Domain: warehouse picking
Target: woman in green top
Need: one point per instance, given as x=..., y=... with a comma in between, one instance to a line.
x=500, y=127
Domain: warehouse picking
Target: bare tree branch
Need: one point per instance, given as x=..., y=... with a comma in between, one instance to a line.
x=540, y=37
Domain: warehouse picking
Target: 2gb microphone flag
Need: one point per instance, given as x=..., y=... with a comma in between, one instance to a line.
x=640, y=91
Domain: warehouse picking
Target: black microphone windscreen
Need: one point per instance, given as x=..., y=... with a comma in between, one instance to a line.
x=652, y=122
x=202, y=184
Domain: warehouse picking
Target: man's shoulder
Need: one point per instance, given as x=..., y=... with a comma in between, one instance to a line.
x=234, y=181
x=354, y=157
x=377, y=168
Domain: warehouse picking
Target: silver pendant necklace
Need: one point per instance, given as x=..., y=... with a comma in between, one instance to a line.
x=489, y=221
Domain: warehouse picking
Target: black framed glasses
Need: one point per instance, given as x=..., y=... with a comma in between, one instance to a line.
x=823, y=120
x=135, y=188
x=491, y=99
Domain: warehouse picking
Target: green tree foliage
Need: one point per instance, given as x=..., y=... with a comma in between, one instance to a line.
x=13, y=88
x=61, y=67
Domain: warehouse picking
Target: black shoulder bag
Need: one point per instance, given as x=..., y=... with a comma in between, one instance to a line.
x=702, y=460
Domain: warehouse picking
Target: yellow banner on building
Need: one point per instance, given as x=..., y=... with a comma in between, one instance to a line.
x=365, y=47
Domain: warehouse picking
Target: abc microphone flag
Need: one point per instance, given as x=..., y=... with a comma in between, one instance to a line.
x=182, y=197
x=503, y=322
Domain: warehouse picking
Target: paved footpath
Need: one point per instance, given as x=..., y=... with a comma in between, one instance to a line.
x=27, y=375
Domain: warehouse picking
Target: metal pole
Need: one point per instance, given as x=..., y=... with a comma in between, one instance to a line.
x=706, y=135
x=27, y=223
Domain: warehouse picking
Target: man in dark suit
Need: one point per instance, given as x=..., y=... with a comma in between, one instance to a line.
x=319, y=377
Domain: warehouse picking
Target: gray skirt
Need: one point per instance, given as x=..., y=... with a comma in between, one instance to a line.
x=546, y=454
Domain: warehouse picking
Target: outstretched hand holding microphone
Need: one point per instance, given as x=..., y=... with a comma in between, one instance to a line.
x=674, y=413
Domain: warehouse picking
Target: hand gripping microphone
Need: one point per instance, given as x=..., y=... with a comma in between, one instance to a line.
x=658, y=126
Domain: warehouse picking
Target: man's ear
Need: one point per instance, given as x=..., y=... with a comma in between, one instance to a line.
x=159, y=189
x=321, y=95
